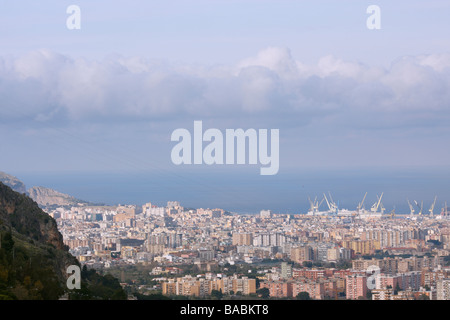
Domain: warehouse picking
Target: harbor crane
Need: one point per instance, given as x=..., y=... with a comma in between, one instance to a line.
x=376, y=205
x=314, y=205
x=361, y=204
x=420, y=207
x=431, y=210
x=382, y=208
x=411, y=208
x=392, y=214
x=331, y=204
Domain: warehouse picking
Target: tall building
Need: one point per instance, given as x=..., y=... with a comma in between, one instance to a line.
x=169, y=288
x=265, y=214
x=443, y=289
x=382, y=294
x=300, y=254
x=333, y=254
x=321, y=251
x=362, y=246
x=154, y=211
x=410, y=280
x=356, y=286
x=244, y=285
x=316, y=290
x=345, y=253
x=242, y=239
x=278, y=289
x=261, y=240
x=286, y=270
x=173, y=204
x=385, y=281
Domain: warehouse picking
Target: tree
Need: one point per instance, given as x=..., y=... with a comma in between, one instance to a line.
x=423, y=297
x=397, y=289
x=7, y=242
x=343, y=264
x=303, y=296
x=263, y=292
x=216, y=294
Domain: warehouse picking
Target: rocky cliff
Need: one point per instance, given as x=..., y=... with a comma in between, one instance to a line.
x=34, y=259
x=45, y=197
x=13, y=182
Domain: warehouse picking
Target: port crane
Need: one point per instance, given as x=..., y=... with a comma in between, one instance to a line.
x=382, y=208
x=376, y=205
x=314, y=205
x=361, y=204
x=411, y=208
x=392, y=214
x=331, y=204
x=420, y=207
x=431, y=210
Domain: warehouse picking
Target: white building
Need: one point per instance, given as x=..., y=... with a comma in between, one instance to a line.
x=443, y=289
x=265, y=214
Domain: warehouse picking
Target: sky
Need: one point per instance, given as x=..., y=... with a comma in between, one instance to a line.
x=106, y=97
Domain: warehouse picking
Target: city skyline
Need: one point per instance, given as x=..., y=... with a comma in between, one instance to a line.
x=225, y=150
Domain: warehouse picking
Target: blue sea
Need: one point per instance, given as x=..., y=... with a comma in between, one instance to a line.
x=245, y=191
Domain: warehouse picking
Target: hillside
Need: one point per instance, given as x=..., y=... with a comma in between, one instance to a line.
x=12, y=182
x=34, y=259
x=46, y=197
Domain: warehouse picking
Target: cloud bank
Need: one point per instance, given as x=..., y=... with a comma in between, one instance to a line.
x=47, y=87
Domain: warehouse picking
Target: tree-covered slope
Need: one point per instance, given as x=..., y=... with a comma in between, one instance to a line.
x=34, y=259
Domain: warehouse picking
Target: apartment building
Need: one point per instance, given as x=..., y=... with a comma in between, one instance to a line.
x=356, y=286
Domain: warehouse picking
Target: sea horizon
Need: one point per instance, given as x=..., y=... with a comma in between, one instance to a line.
x=244, y=191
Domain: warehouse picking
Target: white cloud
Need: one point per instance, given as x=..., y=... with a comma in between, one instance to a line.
x=46, y=86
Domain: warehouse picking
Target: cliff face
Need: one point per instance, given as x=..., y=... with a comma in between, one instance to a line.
x=13, y=182
x=22, y=213
x=34, y=259
x=48, y=197
x=44, y=197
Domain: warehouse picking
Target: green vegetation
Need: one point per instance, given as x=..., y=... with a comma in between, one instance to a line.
x=447, y=260
x=99, y=287
x=156, y=296
x=33, y=258
x=216, y=294
x=263, y=292
x=27, y=274
x=303, y=296
x=341, y=264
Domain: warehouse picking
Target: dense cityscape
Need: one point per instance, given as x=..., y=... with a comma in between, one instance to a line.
x=182, y=157
x=173, y=251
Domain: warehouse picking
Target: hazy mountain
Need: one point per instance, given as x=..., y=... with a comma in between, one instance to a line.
x=12, y=182
x=46, y=197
